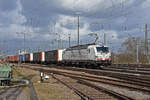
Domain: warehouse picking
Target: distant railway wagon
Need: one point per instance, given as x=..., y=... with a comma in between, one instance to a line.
x=5, y=75
x=16, y=58
x=54, y=56
x=37, y=57
x=13, y=58
x=46, y=57
x=21, y=58
x=27, y=58
x=31, y=57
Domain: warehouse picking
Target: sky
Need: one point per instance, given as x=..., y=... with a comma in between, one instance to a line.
x=44, y=22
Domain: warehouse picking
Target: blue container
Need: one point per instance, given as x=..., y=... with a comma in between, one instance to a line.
x=21, y=58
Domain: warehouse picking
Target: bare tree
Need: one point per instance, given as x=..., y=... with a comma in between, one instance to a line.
x=128, y=55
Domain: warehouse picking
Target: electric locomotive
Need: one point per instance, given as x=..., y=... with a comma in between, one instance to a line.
x=89, y=54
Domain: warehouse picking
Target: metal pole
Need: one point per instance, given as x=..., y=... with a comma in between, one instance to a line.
x=4, y=48
x=61, y=41
x=52, y=45
x=104, y=39
x=146, y=38
x=24, y=47
x=146, y=43
x=78, y=29
x=69, y=40
x=137, y=53
x=24, y=43
x=58, y=43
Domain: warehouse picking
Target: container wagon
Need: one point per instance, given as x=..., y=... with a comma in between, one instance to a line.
x=13, y=59
x=16, y=59
x=27, y=58
x=37, y=57
x=53, y=57
x=21, y=58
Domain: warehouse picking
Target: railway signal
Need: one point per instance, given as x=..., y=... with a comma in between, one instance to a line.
x=41, y=76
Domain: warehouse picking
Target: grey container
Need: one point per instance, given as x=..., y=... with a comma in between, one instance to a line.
x=37, y=57
x=51, y=56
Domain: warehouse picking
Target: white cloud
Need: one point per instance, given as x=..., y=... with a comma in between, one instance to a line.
x=112, y=35
x=120, y=20
x=61, y=29
x=146, y=4
x=107, y=12
x=14, y=16
x=15, y=21
x=91, y=5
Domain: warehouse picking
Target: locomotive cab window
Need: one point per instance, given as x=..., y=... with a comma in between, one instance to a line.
x=102, y=49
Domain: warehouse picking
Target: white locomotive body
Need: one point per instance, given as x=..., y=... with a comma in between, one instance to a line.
x=87, y=54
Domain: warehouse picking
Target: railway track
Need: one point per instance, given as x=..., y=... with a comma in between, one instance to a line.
x=131, y=67
x=128, y=84
x=32, y=92
x=135, y=71
x=10, y=93
x=13, y=91
x=144, y=79
x=93, y=92
x=122, y=73
x=130, y=78
x=130, y=70
x=114, y=82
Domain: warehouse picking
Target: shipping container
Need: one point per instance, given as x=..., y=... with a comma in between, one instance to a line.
x=42, y=56
x=53, y=56
x=31, y=57
x=37, y=57
x=12, y=58
x=21, y=58
x=27, y=58
x=16, y=58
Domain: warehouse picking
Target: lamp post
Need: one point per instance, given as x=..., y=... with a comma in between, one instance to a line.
x=59, y=40
x=24, y=34
x=78, y=31
x=69, y=40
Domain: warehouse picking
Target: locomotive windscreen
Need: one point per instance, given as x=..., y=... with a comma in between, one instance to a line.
x=102, y=49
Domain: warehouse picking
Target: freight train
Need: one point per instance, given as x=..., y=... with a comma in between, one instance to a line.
x=88, y=54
